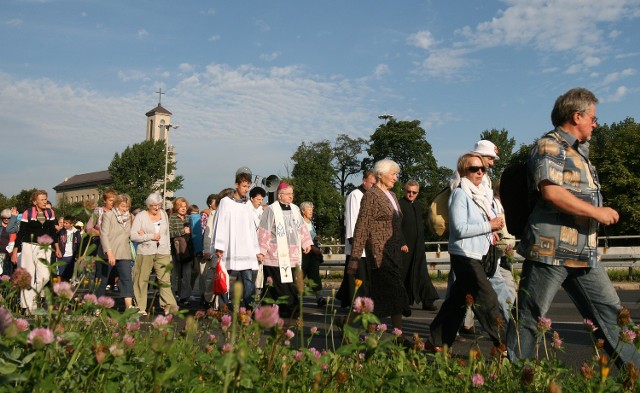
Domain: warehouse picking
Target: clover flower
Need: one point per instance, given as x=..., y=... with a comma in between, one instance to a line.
x=270, y=281
x=6, y=320
x=22, y=324
x=624, y=317
x=589, y=326
x=128, y=341
x=5, y=278
x=382, y=328
x=90, y=298
x=544, y=324
x=21, y=278
x=44, y=240
x=267, y=316
x=298, y=356
x=396, y=332
x=40, y=337
x=627, y=335
x=225, y=322
x=64, y=290
x=161, y=320
x=106, y=302
x=314, y=329
x=477, y=380
x=290, y=334
x=363, y=305
x=587, y=371
x=556, y=341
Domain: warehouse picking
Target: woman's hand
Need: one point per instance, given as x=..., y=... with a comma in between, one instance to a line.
x=497, y=224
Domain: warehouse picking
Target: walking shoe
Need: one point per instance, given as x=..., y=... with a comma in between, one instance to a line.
x=429, y=307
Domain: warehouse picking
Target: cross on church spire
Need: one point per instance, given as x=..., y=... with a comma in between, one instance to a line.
x=160, y=93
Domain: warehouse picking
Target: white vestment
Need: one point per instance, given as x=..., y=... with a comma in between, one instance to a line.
x=235, y=234
x=351, y=210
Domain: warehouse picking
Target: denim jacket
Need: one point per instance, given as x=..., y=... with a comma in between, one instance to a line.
x=469, y=231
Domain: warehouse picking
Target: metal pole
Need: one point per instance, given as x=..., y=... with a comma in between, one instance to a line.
x=166, y=162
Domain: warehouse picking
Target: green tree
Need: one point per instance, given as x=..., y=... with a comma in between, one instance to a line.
x=23, y=199
x=505, y=146
x=345, y=159
x=139, y=170
x=312, y=178
x=615, y=152
x=405, y=143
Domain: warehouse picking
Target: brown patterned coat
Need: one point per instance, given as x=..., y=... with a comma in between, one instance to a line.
x=378, y=229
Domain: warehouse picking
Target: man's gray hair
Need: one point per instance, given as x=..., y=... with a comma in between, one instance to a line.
x=153, y=199
x=306, y=205
x=6, y=213
x=575, y=100
x=385, y=166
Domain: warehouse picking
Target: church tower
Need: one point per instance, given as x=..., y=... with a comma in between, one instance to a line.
x=158, y=127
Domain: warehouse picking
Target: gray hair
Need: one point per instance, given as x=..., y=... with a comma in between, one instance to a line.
x=385, y=166
x=153, y=199
x=306, y=205
x=575, y=100
x=6, y=213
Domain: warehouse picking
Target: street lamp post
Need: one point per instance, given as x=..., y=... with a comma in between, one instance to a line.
x=166, y=160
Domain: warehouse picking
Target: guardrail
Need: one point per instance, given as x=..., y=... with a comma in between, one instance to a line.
x=438, y=261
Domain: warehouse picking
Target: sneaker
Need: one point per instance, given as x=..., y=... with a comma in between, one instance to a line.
x=116, y=288
x=429, y=307
x=108, y=287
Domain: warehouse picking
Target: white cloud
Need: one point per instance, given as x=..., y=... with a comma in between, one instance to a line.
x=14, y=22
x=620, y=93
x=381, y=70
x=614, y=76
x=142, y=33
x=422, y=39
x=215, y=37
x=445, y=62
x=270, y=56
x=132, y=75
x=186, y=67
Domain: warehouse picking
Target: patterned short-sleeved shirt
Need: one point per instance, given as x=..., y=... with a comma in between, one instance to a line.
x=553, y=237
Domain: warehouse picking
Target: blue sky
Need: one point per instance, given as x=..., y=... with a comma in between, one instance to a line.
x=248, y=81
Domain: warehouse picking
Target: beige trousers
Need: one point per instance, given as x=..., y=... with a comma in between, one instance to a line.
x=35, y=260
x=141, y=273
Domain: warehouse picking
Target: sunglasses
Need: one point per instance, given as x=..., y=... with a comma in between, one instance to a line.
x=474, y=169
x=411, y=192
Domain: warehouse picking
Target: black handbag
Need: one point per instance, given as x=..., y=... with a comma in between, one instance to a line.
x=490, y=261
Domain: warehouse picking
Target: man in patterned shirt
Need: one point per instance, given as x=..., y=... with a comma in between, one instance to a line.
x=560, y=241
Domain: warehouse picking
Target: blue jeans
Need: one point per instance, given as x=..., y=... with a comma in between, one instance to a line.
x=248, y=285
x=591, y=291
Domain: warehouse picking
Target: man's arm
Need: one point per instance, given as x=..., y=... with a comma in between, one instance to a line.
x=568, y=203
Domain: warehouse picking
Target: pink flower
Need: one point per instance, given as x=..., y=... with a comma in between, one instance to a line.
x=289, y=334
x=314, y=330
x=226, y=348
x=100, y=357
x=63, y=289
x=267, y=316
x=133, y=326
x=40, y=337
x=315, y=352
x=116, y=351
x=128, y=341
x=22, y=324
x=212, y=338
x=557, y=342
x=5, y=278
x=90, y=298
x=544, y=324
x=477, y=380
x=270, y=281
x=106, y=302
x=627, y=335
x=589, y=326
x=397, y=332
x=363, y=305
x=298, y=356
x=287, y=342
x=382, y=328
x=225, y=322
x=44, y=240
x=160, y=320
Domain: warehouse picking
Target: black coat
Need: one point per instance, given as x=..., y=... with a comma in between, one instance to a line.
x=415, y=273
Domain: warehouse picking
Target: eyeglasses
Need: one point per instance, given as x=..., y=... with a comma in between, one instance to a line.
x=594, y=119
x=474, y=169
x=411, y=192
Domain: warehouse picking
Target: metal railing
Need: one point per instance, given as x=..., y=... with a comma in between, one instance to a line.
x=439, y=263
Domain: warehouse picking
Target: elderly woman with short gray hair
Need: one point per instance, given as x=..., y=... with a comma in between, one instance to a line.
x=379, y=231
x=150, y=230
x=311, y=261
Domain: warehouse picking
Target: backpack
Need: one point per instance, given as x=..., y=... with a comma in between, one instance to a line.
x=516, y=196
x=438, y=213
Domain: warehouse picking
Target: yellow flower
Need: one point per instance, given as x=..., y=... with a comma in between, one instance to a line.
x=604, y=367
x=358, y=283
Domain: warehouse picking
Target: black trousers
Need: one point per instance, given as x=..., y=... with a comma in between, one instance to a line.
x=470, y=280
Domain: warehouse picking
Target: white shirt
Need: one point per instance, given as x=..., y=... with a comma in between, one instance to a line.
x=351, y=210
